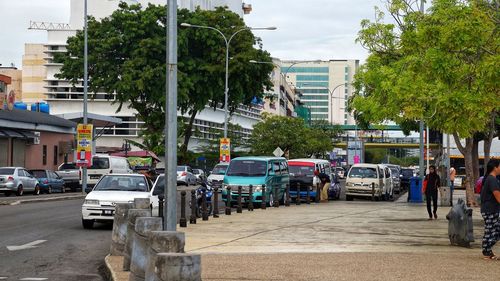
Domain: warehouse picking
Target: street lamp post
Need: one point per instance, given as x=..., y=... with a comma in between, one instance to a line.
x=228, y=42
x=85, y=86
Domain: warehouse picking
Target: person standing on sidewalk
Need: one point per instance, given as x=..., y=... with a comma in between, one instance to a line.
x=326, y=183
x=452, y=175
x=431, y=192
x=490, y=208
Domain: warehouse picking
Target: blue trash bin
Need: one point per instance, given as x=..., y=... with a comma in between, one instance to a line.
x=416, y=190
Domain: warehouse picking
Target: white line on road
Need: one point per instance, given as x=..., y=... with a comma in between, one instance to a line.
x=30, y=245
x=3, y=278
x=33, y=279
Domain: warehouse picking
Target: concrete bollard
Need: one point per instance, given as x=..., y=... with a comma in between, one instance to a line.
x=133, y=214
x=297, y=199
x=216, y=202
x=239, y=210
x=178, y=267
x=192, y=218
x=250, y=198
x=182, y=220
x=276, y=199
x=119, y=234
x=162, y=242
x=318, y=193
x=229, y=198
x=204, y=210
x=460, y=225
x=263, y=204
x=140, y=245
x=161, y=204
x=142, y=203
x=287, y=195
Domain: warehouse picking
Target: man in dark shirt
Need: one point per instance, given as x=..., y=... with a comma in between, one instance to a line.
x=490, y=208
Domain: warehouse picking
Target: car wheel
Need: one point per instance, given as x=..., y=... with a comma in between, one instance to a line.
x=49, y=189
x=271, y=200
x=20, y=191
x=37, y=190
x=87, y=224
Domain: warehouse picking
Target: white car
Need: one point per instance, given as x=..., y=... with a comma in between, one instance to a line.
x=216, y=177
x=185, y=175
x=99, y=205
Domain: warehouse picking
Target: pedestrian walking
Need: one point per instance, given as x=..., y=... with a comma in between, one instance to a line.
x=452, y=174
x=326, y=183
x=490, y=208
x=431, y=184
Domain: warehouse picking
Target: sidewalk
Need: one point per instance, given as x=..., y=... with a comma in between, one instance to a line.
x=358, y=240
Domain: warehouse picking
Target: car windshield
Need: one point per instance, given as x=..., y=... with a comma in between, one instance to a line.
x=7, y=171
x=68, y=166
x=395, y=172
x=38, y=173
x=181, y=168
x=301, y=170
x=407, y=173
x=100, y=163
x=363, y=172
x=122, y=183
x=219, y=170
x=247, y=168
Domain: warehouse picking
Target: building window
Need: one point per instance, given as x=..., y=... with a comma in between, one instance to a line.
x=55, y=155
x=307, y=69
x=312, y=78
x=314, y=91
x=44, y=155
x=312, y=84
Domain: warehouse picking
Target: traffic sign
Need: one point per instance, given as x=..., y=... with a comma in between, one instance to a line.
x=278, y=152
x=225, y=150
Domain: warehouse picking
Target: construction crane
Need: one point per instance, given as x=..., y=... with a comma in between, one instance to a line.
x=41, y=25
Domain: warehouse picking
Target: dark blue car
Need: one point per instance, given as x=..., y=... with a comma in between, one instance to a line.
x=49, y=181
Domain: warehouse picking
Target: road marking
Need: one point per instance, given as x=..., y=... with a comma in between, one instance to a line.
x=33, y=279
x=30, y=245
x=3, y=278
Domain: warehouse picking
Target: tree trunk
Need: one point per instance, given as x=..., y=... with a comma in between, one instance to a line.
x=475, y=160
x=188, y=132
x=467, y=152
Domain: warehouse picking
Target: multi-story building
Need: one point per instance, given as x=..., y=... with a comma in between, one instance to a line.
x=40, y=83
x=325, y=86
x=281, y=100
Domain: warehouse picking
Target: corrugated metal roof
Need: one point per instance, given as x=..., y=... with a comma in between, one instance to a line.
x=33, y=117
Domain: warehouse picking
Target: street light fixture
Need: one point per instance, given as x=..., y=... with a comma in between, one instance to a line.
x=227, y=41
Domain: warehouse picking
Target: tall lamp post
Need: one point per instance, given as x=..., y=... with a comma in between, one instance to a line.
x=85, y=86
x=228, y=42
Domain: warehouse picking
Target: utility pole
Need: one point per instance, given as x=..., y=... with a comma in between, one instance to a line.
x=170, y=208
x=85, y=87
x=421, y=125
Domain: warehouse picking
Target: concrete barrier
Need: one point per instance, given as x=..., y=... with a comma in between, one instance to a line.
x=177, y=267
x=162, y=242
x=142, y=203
x=460, y=225
x=140, y=245
x=119, y=234
x=133, y=214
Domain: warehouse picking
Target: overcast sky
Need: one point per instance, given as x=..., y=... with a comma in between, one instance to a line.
x=314, y=29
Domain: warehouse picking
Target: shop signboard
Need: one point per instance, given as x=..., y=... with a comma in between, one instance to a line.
x=84, y=145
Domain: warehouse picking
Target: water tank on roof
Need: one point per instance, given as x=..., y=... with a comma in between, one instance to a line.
x=20, y=105
x=40, y=107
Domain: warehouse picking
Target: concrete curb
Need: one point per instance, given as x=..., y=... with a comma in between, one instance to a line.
x=110, y=274
x=48, y=199
x=113, y=268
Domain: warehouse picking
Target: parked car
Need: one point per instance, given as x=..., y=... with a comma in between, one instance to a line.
x=388, y=182
x=99, y=204
x=103, y=165
x=270, y=172
x=200, y=175
x=49, y=181
x=406, y=175
x=185, y=175
x=71, y=175
x=216, y=177
x=396, y=179
x=365, y=180
x=302, y=172
x=17, y=180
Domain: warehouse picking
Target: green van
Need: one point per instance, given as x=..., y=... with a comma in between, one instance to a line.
x=268, y=172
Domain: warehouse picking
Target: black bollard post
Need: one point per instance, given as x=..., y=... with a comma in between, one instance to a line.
x=297, y=199
x=263, y=203
x=318, y=193
x=204, y=211
x=250, y=198
x=239, y=210
x=287, y=195
x=216, y=202
x=276, y=201
x=308, y=195
x=228, y=201
x=192, y=218
x=373, y=191
x=183, y=221
x=161, y=202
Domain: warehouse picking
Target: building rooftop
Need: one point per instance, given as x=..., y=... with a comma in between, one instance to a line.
x=32, y=120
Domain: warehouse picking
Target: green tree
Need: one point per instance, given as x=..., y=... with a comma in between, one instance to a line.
x=440, y=66
x=291, y=135
x=127, y=53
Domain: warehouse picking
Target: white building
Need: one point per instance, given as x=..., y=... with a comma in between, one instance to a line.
x=40, y=83
x=281, y=100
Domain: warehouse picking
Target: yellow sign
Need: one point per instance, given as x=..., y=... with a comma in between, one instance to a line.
x=84, y=144
x=225, y=150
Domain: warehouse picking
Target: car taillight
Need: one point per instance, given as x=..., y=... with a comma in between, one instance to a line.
x=46, y=181
x=10, y=179
x=183, y=174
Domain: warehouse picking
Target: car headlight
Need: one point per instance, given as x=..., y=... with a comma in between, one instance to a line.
x=257, y=188
x=91, y=202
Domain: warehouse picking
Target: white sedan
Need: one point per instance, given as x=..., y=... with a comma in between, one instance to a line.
x=99, y=205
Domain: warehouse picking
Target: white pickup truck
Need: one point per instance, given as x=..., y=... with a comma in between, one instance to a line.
x=70, y=173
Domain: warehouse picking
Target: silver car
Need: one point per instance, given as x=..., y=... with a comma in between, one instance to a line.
x=185, y=175
x=18, y=180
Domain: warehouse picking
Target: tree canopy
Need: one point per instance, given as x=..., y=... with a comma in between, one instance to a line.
x=127, y=54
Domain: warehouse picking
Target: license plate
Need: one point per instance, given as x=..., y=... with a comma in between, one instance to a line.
x=94, y=177
x=107, y=212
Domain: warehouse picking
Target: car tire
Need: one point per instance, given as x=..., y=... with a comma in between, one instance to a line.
x=271, y=200
x=37, y=190
x=88, y=224
x=20, y=191
x=348, y=198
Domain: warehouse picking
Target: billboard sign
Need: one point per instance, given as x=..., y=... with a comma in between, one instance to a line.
x=84, y=145
x=225, y=150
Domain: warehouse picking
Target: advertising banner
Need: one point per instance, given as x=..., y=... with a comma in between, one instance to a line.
x=225, y=150
x=84, y=145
